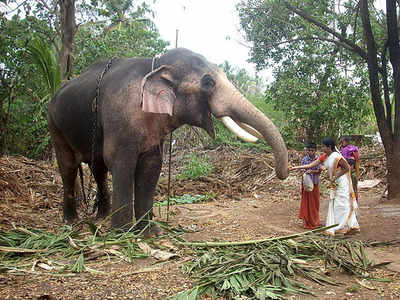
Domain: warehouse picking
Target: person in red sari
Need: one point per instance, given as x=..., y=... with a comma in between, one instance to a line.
x=309, y=206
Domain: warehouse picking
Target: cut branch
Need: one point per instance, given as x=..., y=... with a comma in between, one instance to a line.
x=241, y=243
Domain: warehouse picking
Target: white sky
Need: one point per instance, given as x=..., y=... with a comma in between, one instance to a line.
x=204, y=27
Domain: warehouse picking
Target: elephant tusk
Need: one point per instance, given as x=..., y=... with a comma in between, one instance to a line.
x=250, y=130
x=237, y=130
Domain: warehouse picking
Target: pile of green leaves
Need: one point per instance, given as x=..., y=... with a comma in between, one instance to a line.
x=270, y=268
x=260, y=269
x=186, y=199
x=64, y=252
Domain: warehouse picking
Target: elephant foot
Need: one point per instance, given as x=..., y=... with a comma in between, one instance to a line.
x=102, y=212
x=152, y=231
x=143, y=229
x=70, y=218
x=147, y=230
x=140, y=229
x=69, y=209
x=103, y=206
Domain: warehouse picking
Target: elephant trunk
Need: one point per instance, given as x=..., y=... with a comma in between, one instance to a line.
x=228, y=102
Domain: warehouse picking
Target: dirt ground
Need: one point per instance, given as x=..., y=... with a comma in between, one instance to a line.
x=249, y=204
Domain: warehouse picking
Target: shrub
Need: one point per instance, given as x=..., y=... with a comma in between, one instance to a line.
x=195, y=166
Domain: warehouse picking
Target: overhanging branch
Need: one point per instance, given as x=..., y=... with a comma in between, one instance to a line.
x=350, y=45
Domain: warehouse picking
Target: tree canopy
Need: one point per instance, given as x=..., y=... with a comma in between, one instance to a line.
x=52, y=41
x=321, y=87
x=354, y=44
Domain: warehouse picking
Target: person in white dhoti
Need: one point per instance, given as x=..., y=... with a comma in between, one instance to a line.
x=342, y=203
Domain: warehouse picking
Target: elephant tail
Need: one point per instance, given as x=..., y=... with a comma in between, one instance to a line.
x=82, y=185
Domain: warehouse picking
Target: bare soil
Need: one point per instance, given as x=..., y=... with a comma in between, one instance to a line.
x=249, y=203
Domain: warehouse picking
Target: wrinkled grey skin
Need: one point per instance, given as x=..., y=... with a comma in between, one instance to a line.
x=128, y=140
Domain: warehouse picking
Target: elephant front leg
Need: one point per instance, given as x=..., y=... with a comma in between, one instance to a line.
x=122, y=196
x=146, y=177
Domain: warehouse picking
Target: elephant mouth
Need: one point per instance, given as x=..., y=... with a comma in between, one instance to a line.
x=208, y=125
x=242, y=130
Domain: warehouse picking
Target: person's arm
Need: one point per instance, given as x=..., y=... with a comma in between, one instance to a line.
x=307, y=166
x=317, y=171
x=314, y=171
x=344, y=168
x=357, y=159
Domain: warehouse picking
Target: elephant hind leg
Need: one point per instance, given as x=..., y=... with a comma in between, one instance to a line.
x=68, y=167
x=100, y=172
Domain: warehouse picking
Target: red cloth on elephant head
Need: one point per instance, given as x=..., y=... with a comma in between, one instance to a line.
x=157, y=95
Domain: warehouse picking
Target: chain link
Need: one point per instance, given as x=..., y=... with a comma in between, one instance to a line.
x=95, y=106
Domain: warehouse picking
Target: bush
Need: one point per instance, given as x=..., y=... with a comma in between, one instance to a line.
x=195, y=166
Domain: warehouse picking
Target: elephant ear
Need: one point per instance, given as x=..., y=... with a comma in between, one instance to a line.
x=157, y=93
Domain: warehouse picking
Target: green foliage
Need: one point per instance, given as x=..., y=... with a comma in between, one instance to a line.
x=78, y=266
x=322, y=89
x=29, y=77
x=278, y=34
x=315, y=109
x=247, y=84
x=186, y=199
x=254, y=269
x=45, y=58
x=27, y=128
x=64, y=250
x=30, y=67
x=269, y=269
x=132, y=38
x=195, y=166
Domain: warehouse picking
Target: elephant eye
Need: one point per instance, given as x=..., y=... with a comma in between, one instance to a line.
x=207, y=82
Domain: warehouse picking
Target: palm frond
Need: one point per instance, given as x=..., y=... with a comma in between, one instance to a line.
x=45, y=57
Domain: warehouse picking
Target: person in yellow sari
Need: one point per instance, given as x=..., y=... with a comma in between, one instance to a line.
x=342, y=204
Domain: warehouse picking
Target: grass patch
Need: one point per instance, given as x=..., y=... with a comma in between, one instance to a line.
x=195, y=166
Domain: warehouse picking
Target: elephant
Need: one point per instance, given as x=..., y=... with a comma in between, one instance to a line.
x=116, y=114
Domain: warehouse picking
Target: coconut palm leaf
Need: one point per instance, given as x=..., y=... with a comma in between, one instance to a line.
x=46, y=59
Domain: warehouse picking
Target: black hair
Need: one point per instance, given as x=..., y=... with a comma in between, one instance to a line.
x=329, y=142
x=352, y=162
x=311, y=145
x=345, y=138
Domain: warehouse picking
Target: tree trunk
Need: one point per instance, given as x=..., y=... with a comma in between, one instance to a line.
x=390, y=139
x=393, y=157
x=68, y=29
x=393, y=173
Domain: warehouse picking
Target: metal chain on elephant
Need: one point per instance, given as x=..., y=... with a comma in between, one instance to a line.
x=95, y=106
